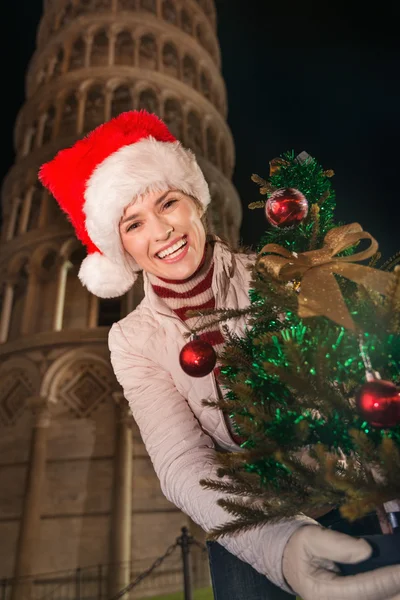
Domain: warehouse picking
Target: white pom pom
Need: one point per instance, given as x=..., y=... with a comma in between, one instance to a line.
x=104, y=277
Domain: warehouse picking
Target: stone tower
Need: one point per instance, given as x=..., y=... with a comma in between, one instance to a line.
x=77, y=489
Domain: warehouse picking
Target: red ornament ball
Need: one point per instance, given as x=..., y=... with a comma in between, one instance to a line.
x=378, y=402
x=197, y=358
x=286, y=208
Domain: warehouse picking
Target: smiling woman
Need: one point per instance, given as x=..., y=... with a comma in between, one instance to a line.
x=137, y=198
x=164, y=234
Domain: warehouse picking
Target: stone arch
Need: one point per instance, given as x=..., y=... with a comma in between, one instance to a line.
x=69, y=115
x=212, y=146
x=20, y=380
x=17, y=264
x=186, y=22
x=148, y=100
x=48, y=128
x=173, y=117
x=124, y=48
x=121, y=100
x=94, y=106
x=169, y=12
x=148, y=6
x=170, y=59
x=81, y=379
x=69, y=247
x=189, y=71
x=77, y=55
x=148, y=51
x=100, y=49
x=194, y=132
x=45, y=259
x=205, y=84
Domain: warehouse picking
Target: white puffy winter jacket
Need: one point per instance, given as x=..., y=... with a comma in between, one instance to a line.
x=180, y=434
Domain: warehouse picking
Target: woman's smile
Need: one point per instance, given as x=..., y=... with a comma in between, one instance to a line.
x=174, y=251
x=164, y=234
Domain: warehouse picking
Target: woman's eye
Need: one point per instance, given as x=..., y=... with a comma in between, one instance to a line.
x=169, y=203
x=132, y=226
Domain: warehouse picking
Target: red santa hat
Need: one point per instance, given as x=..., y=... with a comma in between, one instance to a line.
x=96, y=179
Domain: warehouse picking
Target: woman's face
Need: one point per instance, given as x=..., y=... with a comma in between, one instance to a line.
x=163, y=233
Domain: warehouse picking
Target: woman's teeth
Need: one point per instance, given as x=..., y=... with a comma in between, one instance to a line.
x=172, y=249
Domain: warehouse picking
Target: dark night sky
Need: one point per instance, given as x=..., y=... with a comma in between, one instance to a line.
x=299, y=76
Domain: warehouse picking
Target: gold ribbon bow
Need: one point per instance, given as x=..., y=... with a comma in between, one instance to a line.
x=320, y=293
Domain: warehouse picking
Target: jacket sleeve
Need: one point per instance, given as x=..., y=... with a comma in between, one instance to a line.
x=182, y=454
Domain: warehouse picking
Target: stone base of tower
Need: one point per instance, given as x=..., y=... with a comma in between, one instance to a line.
x=81, y=505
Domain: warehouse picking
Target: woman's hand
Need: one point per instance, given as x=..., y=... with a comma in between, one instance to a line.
x=309, y=567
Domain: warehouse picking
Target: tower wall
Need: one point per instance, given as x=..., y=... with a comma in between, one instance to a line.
x=62, y=418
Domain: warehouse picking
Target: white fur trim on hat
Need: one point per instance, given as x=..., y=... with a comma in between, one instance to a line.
x=106, y=278
x=147, y=165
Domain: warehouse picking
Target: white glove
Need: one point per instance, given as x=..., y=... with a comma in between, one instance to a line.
x=309, y=567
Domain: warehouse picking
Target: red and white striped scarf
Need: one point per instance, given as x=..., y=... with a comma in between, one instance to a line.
x=195, y=293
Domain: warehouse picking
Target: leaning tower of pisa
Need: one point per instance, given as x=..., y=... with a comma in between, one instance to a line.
x=77, y=490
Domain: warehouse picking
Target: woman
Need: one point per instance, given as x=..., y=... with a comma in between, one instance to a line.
x=136, y=198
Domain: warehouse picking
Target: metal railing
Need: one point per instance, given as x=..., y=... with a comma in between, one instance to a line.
x=169, y=572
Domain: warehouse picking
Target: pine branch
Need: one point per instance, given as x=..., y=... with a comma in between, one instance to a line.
x=235, y=527
x=305, y=393
x=265, y=186
x=258, y=204
x=242, y=510
x=265, y=339
x=389, y=456
x=221, y=314
x=234, y=355
x=259, y=180
x=391, y=262
x=364, y=447
x=237, y=489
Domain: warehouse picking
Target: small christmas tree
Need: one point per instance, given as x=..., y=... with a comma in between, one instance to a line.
x=311, y=385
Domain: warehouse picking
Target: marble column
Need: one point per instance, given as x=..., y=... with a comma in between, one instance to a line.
x=121, y=516
x=60, y=298
x=6, y=311
x=30, y=519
